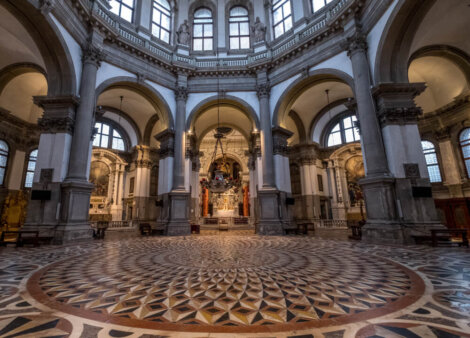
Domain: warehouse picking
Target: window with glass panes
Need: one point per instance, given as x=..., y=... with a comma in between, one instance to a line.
x=123, y=8
x=465, y=147
x=33, y=156
x=4, y=150
x=108, y=137
x=161, y=17
x=282, y=17
x=203, y=32
x=239, y=28
x=344, y=132
x=319, y=4
x=431, y=161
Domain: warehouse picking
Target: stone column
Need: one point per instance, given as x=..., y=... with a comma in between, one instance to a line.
x=76, y=189
x=282, y=175
x=269, y=199
x=378, y=185
x=143, y=165
x=181, y=95
x=166, y=139
x=398, y=117
x=56, y=127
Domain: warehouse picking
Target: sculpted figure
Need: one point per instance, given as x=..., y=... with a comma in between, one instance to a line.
x=184, y=34
x=259, y=30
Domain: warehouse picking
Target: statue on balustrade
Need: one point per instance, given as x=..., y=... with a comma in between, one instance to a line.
x=184, y=34
x=259, y=31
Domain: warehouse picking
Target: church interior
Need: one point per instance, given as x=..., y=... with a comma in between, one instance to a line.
x=234, y=168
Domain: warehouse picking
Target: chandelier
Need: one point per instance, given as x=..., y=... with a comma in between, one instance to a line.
x=221, y=180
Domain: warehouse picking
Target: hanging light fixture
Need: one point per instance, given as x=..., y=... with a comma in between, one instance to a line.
x=221, y=180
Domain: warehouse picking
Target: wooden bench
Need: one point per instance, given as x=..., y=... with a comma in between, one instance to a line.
x=446, y=236
x=20, y=239
x=145, y=229
x=195, y=229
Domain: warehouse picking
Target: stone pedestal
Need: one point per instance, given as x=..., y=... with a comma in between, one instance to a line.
x=74, y=224
x=269, y=222
x=178, y=224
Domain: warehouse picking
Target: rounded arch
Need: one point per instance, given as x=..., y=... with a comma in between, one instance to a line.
x=337, y=108
x=227, y=101
x=126, y=117
x=212, y=127
x=391, y=63
x=231, y=155
x=453, y=54
x=295, y=89
x=61, y=76
x=152, y=95
x=9, y=72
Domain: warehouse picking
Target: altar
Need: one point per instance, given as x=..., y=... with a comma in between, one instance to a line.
x=226, y=203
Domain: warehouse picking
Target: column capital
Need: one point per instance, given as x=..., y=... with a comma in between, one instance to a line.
x=167, y=143
x=263, y=90
x=59, y=113
x=280, y=137
x=395, y=103
x=181, y=93
x=356, y=43
x=443, y=134
x=93, y=55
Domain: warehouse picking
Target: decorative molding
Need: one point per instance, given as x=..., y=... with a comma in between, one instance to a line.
x=46, y=6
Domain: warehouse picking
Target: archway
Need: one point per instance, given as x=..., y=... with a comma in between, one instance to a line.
x=234, y=206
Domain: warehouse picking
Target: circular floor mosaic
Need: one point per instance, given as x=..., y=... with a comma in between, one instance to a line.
x=226, y=284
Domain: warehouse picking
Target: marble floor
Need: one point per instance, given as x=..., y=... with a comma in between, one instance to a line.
x=234, y=285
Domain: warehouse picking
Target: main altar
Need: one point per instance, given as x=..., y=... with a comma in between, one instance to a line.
x=226, y=204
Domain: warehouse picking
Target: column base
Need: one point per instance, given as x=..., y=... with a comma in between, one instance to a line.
x=396, y=233
x=269, y=222
x=178, y=223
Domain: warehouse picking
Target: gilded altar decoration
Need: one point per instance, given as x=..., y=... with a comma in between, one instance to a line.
x=14, y=210
x=354, y=172
x=99, y=176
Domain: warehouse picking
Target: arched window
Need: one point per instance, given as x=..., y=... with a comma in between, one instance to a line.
x=465, y=146
x=3, y=160
x=203, y=32
x=33, y=156
x=108, y=137
x=344, y=132
x=123, y=8
x=431, y=161
x=161, y=18
x=239, y=28
x=319, y=4
x=282, y=17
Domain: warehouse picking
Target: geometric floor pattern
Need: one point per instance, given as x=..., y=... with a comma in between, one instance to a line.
x=230, y=286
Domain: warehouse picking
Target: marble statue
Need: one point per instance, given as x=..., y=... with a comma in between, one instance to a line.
x=259, y=31
x=184, y=33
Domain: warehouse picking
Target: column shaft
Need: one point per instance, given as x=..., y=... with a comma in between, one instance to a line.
x=178, y=176
x=79, y=152
x=266, y=136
